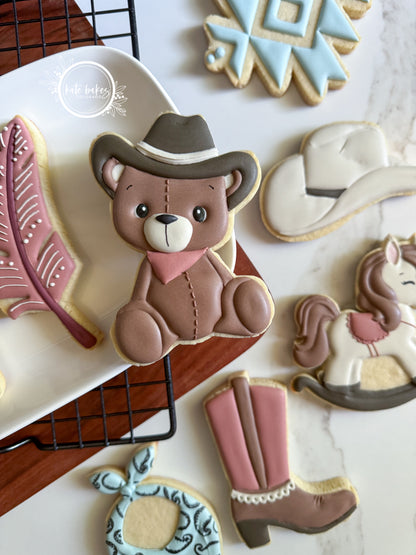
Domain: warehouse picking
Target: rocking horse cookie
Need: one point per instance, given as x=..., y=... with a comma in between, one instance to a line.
x=367, y=358
x=154, y=515
x=174, y=199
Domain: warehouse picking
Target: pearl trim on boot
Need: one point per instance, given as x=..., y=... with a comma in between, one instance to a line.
x=265, y=497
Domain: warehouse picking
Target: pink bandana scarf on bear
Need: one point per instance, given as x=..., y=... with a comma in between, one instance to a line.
x=169, y=265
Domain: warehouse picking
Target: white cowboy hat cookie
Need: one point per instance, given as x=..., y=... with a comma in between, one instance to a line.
x=341, y=169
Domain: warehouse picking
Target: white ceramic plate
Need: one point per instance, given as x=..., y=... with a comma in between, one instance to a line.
x=72, y=97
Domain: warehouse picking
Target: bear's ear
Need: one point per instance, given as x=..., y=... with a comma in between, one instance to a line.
x=111, y=172
x=243, y=181
x=233, y=182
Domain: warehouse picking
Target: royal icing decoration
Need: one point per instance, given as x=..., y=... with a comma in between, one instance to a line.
x=248, y=420
x=168, y=266
x=269, y=497
x=341, y=169
x=281, y=38
x=197, y=529
x=364, y=328
x=342, y=341
x=37, y=266
x=178, y=209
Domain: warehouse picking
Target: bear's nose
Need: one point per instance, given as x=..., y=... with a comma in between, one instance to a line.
x=166, y=218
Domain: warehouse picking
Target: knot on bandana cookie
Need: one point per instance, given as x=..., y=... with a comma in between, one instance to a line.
x=128, y=490
x=111, y=481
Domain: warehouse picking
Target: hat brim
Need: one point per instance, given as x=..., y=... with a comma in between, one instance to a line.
x=111, y=145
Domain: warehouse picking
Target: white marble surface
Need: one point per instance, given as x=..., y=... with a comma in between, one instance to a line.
x=376, y=451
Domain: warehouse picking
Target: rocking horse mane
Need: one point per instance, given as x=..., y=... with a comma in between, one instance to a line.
x=373, y=294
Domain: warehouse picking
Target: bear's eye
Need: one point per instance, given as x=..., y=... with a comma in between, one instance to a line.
x=199, y=214
x=142, y=210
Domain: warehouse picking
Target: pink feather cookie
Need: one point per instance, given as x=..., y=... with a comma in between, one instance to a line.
x=38, y=266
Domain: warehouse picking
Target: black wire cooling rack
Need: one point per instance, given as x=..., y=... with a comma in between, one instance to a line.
x=102, y=415
x=44, y=16
x=114, y=409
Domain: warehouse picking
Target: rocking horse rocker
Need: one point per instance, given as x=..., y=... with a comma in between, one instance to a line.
x=344, y=341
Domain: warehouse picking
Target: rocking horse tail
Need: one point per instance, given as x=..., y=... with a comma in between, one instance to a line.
x=311, y=348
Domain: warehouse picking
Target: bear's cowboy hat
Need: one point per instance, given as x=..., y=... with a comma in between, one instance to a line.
x=342, y=168
x=178, y=147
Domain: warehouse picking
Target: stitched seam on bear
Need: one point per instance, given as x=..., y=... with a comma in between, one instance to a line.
x=194, y=304
x=167, y=196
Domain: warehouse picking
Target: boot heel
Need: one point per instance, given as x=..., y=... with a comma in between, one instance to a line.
x=255, y=533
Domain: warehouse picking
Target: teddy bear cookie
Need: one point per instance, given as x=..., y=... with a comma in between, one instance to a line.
x=366, y=358
x=38, y=266
x=284, y=39
x=341, y=169
x=174, y=199
x=154, y=515
x=248, y=420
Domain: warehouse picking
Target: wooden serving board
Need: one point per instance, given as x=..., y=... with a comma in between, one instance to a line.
x=26, y=470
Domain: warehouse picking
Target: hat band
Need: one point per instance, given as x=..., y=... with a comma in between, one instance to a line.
x=175, y=158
